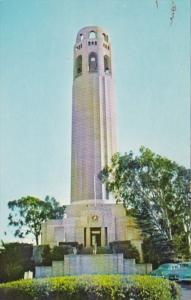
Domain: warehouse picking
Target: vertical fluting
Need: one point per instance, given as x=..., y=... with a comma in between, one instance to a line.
x=93, y=117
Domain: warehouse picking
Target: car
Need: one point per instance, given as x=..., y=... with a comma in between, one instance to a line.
x=185, y=264
x=165, y=270
x=183, y=273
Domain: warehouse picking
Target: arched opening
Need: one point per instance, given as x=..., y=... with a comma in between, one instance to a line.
x=105, y=36
x=78, y=66
x=93, y=63
x=107, y=64
x=92, y=35
x=81, y=37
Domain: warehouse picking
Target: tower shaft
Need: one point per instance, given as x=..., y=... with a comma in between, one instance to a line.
x=93, y=118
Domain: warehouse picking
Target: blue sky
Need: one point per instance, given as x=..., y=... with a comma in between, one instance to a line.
x=151, y=71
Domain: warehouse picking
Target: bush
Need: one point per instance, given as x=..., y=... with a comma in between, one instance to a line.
x=15, y=259
x=87, y=250
x=72, y=244
x=46, y=256
x=129, y=251
x=58, y=252
x=100, y=250
x=95, y=287
x=42, y=255
x=104, y=250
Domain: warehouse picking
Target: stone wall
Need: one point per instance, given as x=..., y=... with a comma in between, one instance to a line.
x=93, y=264
x=42, y=271
x=129, y=266
x=143, y=268
x=58, y=268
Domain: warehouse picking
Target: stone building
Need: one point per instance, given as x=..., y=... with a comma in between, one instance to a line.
x=93, y=216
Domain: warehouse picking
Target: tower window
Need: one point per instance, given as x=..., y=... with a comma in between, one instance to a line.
x=92, y=43
x=93, y=63
x=78, y=66
x=92, y=35
x=107, y=64
x=79, y=47
x=105, y=36
x=81, y=36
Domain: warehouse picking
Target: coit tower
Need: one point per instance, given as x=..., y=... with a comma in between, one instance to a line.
x=93, y=114
x=92, y=219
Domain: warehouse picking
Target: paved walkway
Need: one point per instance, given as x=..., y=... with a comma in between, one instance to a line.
x=186, y=292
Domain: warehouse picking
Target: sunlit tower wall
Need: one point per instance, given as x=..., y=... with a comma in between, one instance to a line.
x=93, y=114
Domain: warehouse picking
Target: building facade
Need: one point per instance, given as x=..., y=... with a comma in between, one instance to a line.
x=93, y=217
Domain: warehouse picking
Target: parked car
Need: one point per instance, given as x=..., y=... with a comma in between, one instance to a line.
x=165, y=270
x=180, y=272
x=183, y=273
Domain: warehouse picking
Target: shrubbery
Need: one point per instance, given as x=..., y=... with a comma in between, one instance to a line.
x=43, y=255
x=104, y=250
x=129, y=251
x=95, y=287
x=58, y=252
x=100, y=250
x=15, y=259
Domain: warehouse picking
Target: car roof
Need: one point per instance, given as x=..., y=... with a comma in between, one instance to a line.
x=169, y=264
x=186, y=263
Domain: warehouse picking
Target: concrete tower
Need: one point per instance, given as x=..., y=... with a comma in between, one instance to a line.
x=93, y=117
x=90, y=220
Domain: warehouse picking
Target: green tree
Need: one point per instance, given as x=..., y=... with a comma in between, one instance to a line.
x=155, y=191
x=28, y=213
x=57, y=211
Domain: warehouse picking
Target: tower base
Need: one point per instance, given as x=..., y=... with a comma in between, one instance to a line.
x=91, y=222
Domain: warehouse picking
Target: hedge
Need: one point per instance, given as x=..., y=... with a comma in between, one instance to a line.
x=91, y=287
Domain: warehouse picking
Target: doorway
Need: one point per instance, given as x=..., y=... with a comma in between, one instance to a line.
x=95, y=236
